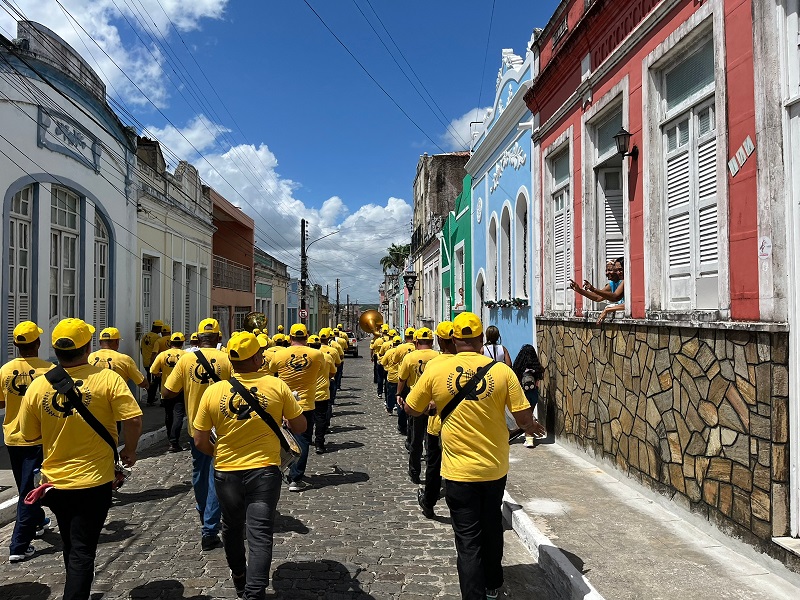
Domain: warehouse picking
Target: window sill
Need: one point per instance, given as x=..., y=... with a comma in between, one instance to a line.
x=687, y=320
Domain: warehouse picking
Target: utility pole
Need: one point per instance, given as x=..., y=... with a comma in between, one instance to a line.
x=337, y=300
x=303, y=265
x=349, y=320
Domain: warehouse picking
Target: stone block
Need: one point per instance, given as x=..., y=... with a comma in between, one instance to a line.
x=780, y=380
x=703, y=385
x=701, y=468
x=741, y=507
x=746, y=390
x=713, y=370
x=690, y=365
x=664, y=452
x=693, y=420
x=623, y=443
x=663, y=401
x=780, y=462
x=614, y=408
x=665, y=380
x=763, y=383
x=639, y=429
x=693, y=490
x=739, y=405
x=780, y=509
x=780, y=420
x=719, y=387
x=719, y=469
x=668, y=419
x=675, y=450
x=710, y=492
x=688, y=468
x=653, y=414
x=761, y=476
x=728, y=418
x=728, y=436
x=714, y=442
x=780, y=348
x=683, y=430
x=742, y=477
x=676, y=478
x=764, y=451
x=751, y=354
x=726, y=369
x=764, y=347
x=762, y=529
x=726, y=499
x=616, y=429
x=674, y=344
x=760, y=426
x=760, y=504
x=607, y=439
x=739, y=451
x=705, y=358
x=691, y=347
x=708, y=412
x=626, y=421
x=697, y=445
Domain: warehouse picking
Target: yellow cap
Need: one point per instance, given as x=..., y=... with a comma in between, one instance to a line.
x=71, y=334
x=467, y=325
x=339, y=326
x=314, y=339
x=110, y=333
x=263, y=339
x=158, y=323
x=445, y=330
x=256, y=332
x=392, y=332
x=278, y=337
x=410, y=332
x=193, y=337
x=208, y=326
x=298, y=330
x=166, y=329
x=397, y=340
x=423, y=333
x=177, y=337
x=280, y=328
x=27, y=332
x=384, y=328
x=243, y=345
x=335, y=331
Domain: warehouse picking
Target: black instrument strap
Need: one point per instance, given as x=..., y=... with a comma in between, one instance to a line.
x=256, y=406
x=201, y=358
x=64, y=385
x=471, y=386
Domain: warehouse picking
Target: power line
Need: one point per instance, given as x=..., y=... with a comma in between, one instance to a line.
x=486, y=56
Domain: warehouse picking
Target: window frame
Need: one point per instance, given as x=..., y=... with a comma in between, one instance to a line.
x=17, y=221
x=61, y=236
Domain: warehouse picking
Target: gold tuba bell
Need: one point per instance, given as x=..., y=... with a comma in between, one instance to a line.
x=255, y=320
x=370, y=321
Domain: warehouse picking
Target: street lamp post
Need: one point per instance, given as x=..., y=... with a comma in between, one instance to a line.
x=304, y=260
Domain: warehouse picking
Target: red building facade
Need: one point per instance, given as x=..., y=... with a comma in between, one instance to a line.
x=686, y=388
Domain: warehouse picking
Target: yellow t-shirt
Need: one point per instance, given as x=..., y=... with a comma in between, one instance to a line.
x=147, y=346
x=331, y=351
x=15, y=377
x=434, y=421
x=299, y=367
x=189, y=376
x=413, y=365
x=375, y=344
x=105, y=358
x=474, y=436
x=392, y=359
x=161, y=345
x=268, y=354
x=384, y=348
x=324, y=379
x=342, y=345
x=244, y=440
x=336, y=348
x=164, y=364
x=75, y=456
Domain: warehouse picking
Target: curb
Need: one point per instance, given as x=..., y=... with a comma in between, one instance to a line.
x=8, y=509
x=569, y=582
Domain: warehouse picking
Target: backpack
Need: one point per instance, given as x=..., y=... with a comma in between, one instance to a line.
x=528, y=380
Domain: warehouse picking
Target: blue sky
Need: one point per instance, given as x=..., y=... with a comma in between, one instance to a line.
x=280, y=119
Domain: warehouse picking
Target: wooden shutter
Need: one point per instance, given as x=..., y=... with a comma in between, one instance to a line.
x=679, y=230
x=611, y=214
x=559, y=254
x=707, y=265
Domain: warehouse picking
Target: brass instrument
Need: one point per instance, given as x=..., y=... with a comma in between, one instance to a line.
x=370, y=321
x=255, y=320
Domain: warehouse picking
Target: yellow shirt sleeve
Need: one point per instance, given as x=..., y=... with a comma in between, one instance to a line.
x=157, y=366
x=30, y=424
x=133, y=372
x=421, y=394
x=123, y=404
x=202, y=420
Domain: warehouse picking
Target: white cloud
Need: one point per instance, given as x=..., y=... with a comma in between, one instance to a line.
x=199, y=135
x=459, y=131
x=105, y=24
x=247, y=176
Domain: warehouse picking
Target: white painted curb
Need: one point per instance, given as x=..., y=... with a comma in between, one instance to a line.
x=8, y=509
x=569, y=583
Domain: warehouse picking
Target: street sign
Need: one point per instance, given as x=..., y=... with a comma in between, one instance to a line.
x=303, y=313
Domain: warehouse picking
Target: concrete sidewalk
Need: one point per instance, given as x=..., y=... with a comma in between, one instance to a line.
x=617, y=540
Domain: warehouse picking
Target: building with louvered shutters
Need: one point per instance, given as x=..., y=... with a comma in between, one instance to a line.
x=68, y=234
x=174, y=242
x=502, y=287
x=687, y=389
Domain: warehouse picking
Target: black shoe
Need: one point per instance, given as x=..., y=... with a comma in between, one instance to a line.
x=402, y=431
x=427, y=511
x=512, y=435
x=320, y=448
x=414, y=478
x=408, y=446
x=239, y=583
x=175, y=448
x=210, y=542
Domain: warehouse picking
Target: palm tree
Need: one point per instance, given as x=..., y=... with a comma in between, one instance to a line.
x=395, y=260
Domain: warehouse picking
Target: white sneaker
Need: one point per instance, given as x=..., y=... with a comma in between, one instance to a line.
x=15, y=558
x=299, y=486
x=47, y=525
x=530, y=441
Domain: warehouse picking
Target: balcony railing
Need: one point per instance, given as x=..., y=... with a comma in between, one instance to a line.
x=232, y=275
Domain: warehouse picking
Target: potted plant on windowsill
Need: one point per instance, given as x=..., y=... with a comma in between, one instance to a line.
x=520, y=302
x=490, y=303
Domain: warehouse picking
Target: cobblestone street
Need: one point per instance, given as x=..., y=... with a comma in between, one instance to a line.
x=357, y=533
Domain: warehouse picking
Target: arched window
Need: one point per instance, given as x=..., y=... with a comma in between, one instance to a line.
x=491, y=262
x=505, y=255
x=64, y=253
x=521, y=247
x=19, y=262
x=480, y=292
x=101, y=255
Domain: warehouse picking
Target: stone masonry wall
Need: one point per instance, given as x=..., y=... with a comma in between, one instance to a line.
x=700, y=415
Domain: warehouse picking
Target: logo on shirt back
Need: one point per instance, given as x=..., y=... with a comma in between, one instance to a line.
x=237, y=408
x=299, y=363
x=20, y=380
x=458, y=380
x=171, y=360
x=199, y=375
x=56, y=405
x=420, y=367
x=103, y=363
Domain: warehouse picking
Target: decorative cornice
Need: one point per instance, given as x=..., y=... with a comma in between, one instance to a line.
x=514, y=157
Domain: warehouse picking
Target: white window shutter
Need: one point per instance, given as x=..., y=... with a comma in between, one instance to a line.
x=559, y=258
x=707, y=268
x=612, y=225
x=679, y=231
x=567, y=248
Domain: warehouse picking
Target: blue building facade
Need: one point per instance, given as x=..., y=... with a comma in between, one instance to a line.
x=503, y=232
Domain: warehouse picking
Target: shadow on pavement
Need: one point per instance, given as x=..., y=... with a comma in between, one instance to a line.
x=576, y=561
x=303, y=579
x=163, y=589
x=346, y=413
x=345, y=428
x=523, y=582
x=121, y=498
x=116, y=531
x=25, y=591
x=336, y=446
x=346, y=403
x=287, y=523
x=338, y=477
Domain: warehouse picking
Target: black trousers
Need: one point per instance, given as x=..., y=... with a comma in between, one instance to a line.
x=174, y=414
x=433, y=469
x=478, y=526
x=417, y=428
x=80, y=515
x=152, y=390
x=321, y=421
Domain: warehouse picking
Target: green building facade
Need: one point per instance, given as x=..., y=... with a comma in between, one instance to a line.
x=456, y=256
